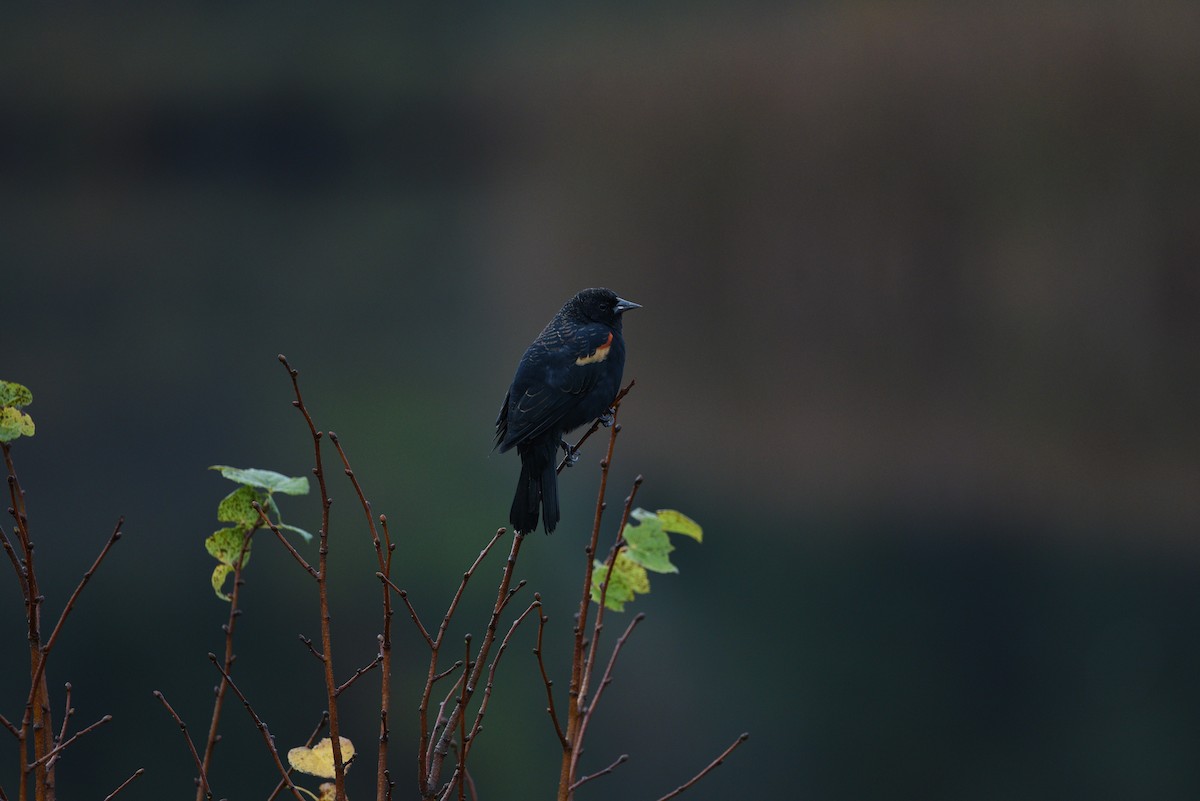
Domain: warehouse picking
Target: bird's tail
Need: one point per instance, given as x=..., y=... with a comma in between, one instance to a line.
x=536, y=488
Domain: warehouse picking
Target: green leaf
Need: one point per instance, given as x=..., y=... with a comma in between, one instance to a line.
x=14, y=394
x=265, y=479
x=300, y=531
x=14, y=423
x=220, y=573
x=679, y=523
x=225, y=545
x=235, y=507
x=649, y=544
x=628, y=577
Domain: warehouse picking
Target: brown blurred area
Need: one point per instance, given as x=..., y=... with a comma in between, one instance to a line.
x=919, y=349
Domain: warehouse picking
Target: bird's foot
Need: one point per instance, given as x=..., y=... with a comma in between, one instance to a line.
x=571, y=455
x=606, y=419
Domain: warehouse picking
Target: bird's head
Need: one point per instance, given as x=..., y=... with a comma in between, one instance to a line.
x=600, y=306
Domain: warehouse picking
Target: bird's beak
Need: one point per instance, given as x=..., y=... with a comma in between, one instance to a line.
x=625, y=305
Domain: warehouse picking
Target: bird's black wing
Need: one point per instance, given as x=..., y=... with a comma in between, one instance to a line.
x=555, y=373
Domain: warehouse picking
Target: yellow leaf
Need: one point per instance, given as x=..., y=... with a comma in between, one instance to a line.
x=318, y=760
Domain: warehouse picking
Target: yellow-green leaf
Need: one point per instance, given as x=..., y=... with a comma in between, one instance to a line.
x=14, y=394
x=679, y=523
x=225, y=545
x=14, y=423
x=220, y=573
x=318, y=760
x=236, y=507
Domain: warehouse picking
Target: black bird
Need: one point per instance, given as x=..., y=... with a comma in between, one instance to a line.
x=569, y=376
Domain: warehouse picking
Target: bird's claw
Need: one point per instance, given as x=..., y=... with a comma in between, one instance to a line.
x=571, y=455
x=606, y=419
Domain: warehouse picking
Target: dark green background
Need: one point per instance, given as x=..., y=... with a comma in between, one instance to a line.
x=918, y=350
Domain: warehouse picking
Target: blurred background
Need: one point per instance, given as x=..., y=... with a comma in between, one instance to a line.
x=919, y=351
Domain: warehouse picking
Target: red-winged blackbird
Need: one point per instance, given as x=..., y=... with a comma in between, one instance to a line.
x=568, y=376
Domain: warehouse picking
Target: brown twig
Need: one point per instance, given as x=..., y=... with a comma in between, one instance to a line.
x=710, y=767
x=262, y=516
x=307, y=744
x=341, y=688
x=339, y=767
x=54, y=752
x=477, y=726
x=202, y=777
x=619, y=761
x=11, y=728
x=425, y=752
x=40, y=670
x=68, y=711
x=606, y=679
x=260, y=725
x=472, y=673
x=574, y=719
x=385, y=639
x=235, y=611
x=312, y=650
x=137, y=774
x=537, y=651
x=585, y=684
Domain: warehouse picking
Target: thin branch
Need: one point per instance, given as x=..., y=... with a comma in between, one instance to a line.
x=426, y=777
x=136, y=775
x=711, y=766
x=68, y=711
x=11, y=728
x=448, y=671
x=16, y=562
x=309, y=645
x=62, y=618
x=307, y=744
x=537, y=651
x=619, y=761
x=339, y=767
x=574, y=719
x=606, y=679
x=235, y=611
x=262, y=516
x=49, y=756
x=412, y=613
x=262, y=727
x=596, y=425
x=472, y=673
x=477, y=726
x=366, y=668
x=385, y=639
x=200, y=769
x=598, y=627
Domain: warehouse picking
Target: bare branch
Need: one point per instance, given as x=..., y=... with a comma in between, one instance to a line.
x=260, y=725
x=346, y=685
x=235, y=611
x=477, y=726
x=339, y=767
x=412, y=613
x=711, y=766
x=200, y=770
x=50, y=755
x=62, y=618
x=11, y=728
x=68, y=711
x=309, y=645
x=266, y=521
x=537, y=651
x=136, y=775
x=619, y=761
